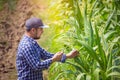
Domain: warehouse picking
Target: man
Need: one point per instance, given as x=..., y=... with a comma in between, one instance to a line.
x=31, y=59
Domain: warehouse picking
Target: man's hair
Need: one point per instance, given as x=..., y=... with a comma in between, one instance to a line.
x=28, y=30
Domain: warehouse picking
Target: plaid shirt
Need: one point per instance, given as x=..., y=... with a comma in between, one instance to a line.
x=28, y=60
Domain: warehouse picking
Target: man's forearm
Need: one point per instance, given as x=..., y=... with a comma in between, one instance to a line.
x=68, y=56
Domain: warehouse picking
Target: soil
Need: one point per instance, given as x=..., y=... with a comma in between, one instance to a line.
x=11, y=30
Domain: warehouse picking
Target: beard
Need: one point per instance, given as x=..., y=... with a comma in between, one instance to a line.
x=36, y=37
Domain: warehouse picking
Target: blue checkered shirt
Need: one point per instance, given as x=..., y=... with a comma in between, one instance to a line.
x=31, y=59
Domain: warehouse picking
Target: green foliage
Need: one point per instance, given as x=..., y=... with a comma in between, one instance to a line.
x=93, y=29
x=11, y=4
x=2, y=2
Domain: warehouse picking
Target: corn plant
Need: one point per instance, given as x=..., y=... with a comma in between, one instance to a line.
x=58, y=24
x=95, y=33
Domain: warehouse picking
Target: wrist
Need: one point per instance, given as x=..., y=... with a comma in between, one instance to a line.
x=53, y=60
x=63, y=58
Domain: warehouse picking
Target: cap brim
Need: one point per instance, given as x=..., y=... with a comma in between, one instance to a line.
x=45, y=26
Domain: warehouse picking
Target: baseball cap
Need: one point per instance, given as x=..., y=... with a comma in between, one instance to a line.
x=34, y=23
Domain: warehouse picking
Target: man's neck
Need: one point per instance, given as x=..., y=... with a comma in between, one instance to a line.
x=28, y=34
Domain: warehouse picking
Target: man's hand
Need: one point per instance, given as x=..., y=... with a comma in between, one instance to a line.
x=72, y=54
x=57, y=56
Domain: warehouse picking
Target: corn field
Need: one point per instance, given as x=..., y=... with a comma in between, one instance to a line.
x=93, y=28
x=90, y=26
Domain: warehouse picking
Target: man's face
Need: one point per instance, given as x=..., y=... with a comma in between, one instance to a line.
x=37, y=32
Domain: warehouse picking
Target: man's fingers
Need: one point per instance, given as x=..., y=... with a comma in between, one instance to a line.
x=60, y=53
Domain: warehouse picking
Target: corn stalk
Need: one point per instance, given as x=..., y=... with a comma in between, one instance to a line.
x=95, y=35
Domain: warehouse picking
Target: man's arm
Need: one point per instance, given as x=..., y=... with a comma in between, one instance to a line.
x=72, y=54
x=33, y=60
x=45, y=55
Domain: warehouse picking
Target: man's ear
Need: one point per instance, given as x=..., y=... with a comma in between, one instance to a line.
x=32, y=30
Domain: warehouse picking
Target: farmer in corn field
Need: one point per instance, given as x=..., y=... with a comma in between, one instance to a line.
x=31, y=59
